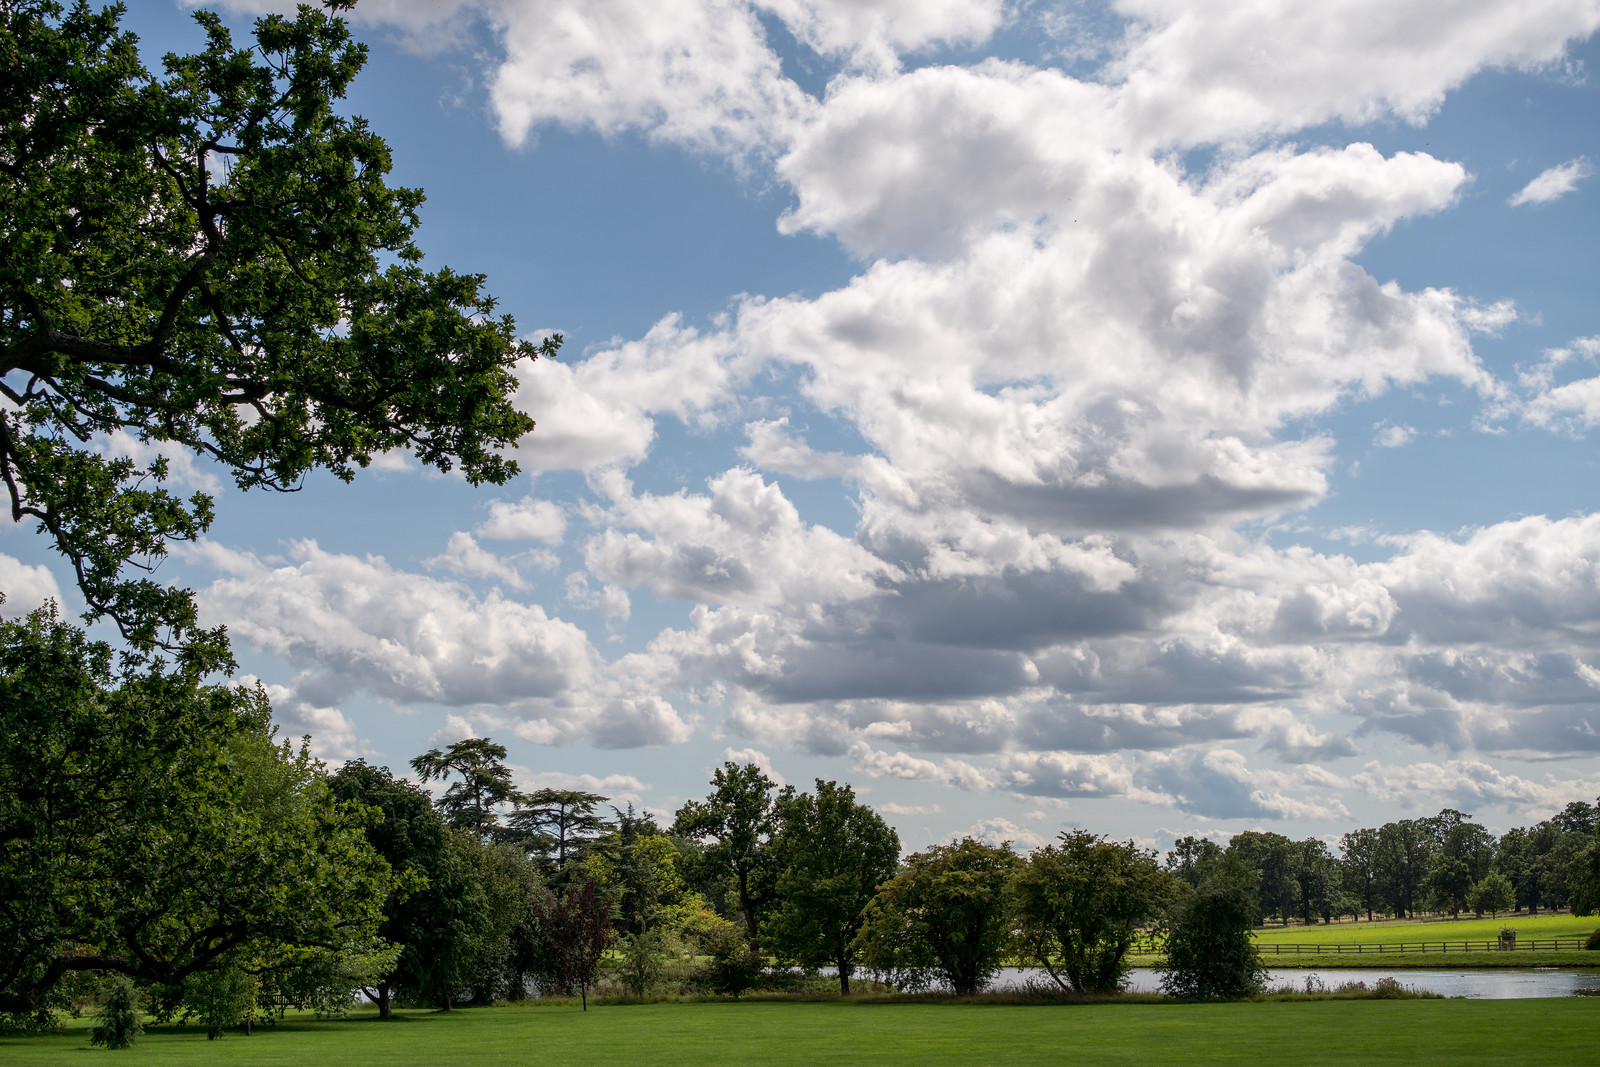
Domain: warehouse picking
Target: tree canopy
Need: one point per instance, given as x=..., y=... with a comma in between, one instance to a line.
x=209, y=260
x=483, y=783
x=834, y=854
x=1079, y=904
x=737, y=819
x=150, y=827
x=943, y=917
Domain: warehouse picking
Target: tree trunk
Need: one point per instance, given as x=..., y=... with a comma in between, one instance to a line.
x=844, y=978
x=384, y=1005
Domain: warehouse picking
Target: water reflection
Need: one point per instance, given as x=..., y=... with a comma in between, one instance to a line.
x=1484, y=985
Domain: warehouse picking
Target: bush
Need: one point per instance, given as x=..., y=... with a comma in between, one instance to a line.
x=733, y=967
x=1210, y=954
x=1593, y=941
x=640, y=968
x=119, y=1025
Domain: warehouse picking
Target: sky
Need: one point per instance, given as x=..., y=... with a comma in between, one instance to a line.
x=1157, y=417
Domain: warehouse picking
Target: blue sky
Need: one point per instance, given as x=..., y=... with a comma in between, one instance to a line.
x=1154, y=417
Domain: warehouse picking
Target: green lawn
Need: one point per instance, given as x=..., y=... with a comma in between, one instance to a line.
x=1414, y=1032
x=1394, y=930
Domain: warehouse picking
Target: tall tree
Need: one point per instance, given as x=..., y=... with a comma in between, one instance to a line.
x=1271, y=856
x=1405, y=851
x=1361, y=866
x=472, y=803
x=737, y=821
x=558, y=823
x=834, y=854
x=943, y=916
x=577, y=930
x=1187, y=854
x=210, y=259
x=439, y=913
x=1316, y=876
x=150, y=827
x=1077, y=907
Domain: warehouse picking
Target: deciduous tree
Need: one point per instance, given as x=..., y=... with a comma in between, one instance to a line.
x=150, y=827
x=834, y=855
x=1210, y=952
x=737, y=821
x=210, y=261
x=943, y=917
x=1078, y=906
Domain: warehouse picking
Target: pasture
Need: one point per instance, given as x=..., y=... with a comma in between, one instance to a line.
x=1389, y=931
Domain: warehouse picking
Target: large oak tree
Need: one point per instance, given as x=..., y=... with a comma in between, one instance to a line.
x=210, y=260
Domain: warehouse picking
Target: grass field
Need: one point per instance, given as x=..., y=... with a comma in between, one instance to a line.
x=1393, y=930
x=1415, y=1032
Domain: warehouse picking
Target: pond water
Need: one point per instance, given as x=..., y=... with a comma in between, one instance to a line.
x=1485, y=984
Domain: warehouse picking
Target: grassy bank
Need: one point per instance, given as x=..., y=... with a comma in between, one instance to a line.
x=1430, y=1031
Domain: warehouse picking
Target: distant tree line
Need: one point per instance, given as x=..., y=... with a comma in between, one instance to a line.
x=158, y=844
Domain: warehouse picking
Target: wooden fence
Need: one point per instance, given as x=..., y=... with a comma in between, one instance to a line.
x=1528, y=944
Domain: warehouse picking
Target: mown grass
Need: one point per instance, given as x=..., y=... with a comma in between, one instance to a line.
x=1395, y=930
x=767, y=1032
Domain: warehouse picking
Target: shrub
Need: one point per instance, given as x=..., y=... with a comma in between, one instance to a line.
x=1593, y=941
x=119, y=1025
x=733, y=967
x=1210, y=955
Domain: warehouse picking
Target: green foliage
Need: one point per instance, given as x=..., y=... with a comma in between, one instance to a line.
x=117, y=1024
x=1272, y=858
x=1492, y=894
x=642, y=962
x=437, y=904
x=210, y=259
x=559, y=824
x=1078, y=906
x=942, y=918
x=221, y=999
x=1187, y=854
x=150, y=827
x=834, y=855
x=469, y=804
x=1583, y=879
x=1210, y=955
x=736, y=822
x=732, y=966
x=1592, y=942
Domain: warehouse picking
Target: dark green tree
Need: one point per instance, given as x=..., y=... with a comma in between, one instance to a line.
x=1272, y=857
x=1210, y=952
x=150, y=827
x=558, y=824
x=1360, y=867
x=736, y=822
x=1077, y=907
x=1492, y=894
x=1404, y=856
x=834, y=854
x=210, y=259
x=1316, y=876
x=1187, y=854
x=440, y=911
x=942, y=917
x=119, y=1023
x=470, y=804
